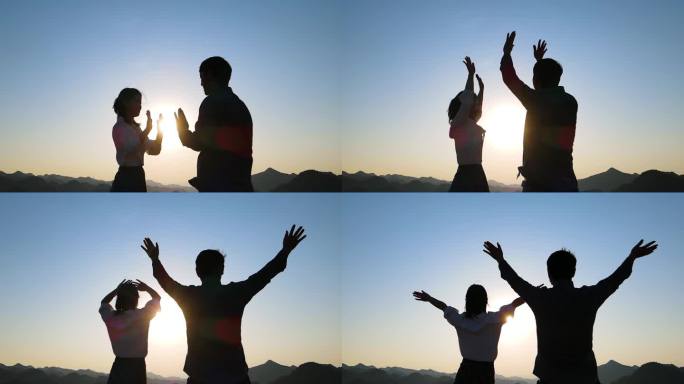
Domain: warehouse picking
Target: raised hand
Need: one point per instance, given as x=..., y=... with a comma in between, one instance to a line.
x=469, y=65
x=480, y=83
x=494, y=251
x=181, y=121
x=140, y=285
x=152, y=249
x=640, y=250
x=539, y=50
x=508, y=45
x=421, y=296
x=293, y=237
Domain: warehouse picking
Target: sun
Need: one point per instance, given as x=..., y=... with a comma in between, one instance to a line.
x=518, y=327
x=168, y=125
x=504, y=125
x=168, y=327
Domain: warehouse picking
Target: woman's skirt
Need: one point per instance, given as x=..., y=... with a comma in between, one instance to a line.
x=128, y=370
x=469, y=178
x=475, y=372
x=129, y=179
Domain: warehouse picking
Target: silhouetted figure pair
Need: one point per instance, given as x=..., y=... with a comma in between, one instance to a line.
x=549, y=124
x=478, y=333
x=464, y=112
x=128, y=327
x=213, y=312
x=222, y=136
x=132, y=143
x=565, y=314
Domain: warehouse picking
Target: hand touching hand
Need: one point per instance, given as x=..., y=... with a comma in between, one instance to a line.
x=469, y=65
x=640, y=250
x=508, y=45
x=539, y=50
x=494, y=251
x=181, y=121
x=152, y=249
x=292, y=238
x=421, y=296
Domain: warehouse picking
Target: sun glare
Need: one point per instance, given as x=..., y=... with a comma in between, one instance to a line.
x=168, y=126
x=168, y=327
x=518, y=327
x=504, y=124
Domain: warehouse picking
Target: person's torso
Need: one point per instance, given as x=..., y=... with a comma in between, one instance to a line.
x=128, y=333
x=213, y=319
x=478, y=339
x=468, y=141
x=565, y=322
x=231, y=121
x=549, y=133
x=130, y=152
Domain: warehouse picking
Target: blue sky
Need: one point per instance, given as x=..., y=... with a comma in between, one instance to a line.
x=64, y=64
x=354, y=85
x=61, y=254
x=395, y=244
x=403, y=64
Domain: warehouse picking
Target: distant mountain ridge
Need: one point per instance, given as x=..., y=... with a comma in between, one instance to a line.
x=314, y=373
x=272, y=180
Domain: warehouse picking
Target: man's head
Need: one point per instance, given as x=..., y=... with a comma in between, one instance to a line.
x=561, y=266
x=547, y=74
x=209, y=263
x=215, y=73
x=126, y=297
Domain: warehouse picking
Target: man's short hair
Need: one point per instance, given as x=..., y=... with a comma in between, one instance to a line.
x=209, y=263
x=548, y=72
x=561, y=265
x=218, y=68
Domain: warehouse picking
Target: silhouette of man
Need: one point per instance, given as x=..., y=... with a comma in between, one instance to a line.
x=223, y=133
x=213, y=312
x=549, y=123
x=564, y=314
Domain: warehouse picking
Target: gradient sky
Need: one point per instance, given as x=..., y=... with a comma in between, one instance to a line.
x=403, y=64
x=61, y=254
x=395, y=244
x=64, y=64
x=353, y=85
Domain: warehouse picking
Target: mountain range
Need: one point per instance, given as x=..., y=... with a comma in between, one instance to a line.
x=314, y=373
x=272, y=180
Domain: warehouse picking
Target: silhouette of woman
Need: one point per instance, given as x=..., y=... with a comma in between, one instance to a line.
x=131, y=142
x=464, y=111
x=478, y=333
x=128, y=327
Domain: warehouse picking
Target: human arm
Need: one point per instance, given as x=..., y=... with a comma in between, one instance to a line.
x=148, y=128
x=141, y=286
x=168, y=284
x=521, y=90
x=202, y=137
x=477, y=110
x=470, y=84
x=154, y=146
x=524, y=289
x=424, y=296
x=110, y=296
x=610, y=284
x=261, y=278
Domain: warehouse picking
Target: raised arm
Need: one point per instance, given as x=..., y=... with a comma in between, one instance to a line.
x=424, y=296
x=519, y=285
x=154, y=146
x=477, y=111
x=110, y=296
x=168, y=284
x=610, y=284
x=510, y=77
x=141, y=286
x=470, y=84
x=187, y=138
x=260, y=279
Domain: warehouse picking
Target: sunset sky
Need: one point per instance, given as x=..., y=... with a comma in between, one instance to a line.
x=396, y=244
x=62, y=254
x=332, y=85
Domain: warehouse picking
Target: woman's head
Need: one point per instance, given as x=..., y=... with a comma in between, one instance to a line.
x=126, y=297
x=128, y=104
x=455, y=105
x=476, y=300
